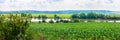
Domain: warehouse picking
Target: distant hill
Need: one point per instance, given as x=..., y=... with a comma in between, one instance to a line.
x=58, y=12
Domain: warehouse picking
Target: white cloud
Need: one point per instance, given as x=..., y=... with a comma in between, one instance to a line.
x=59, y=4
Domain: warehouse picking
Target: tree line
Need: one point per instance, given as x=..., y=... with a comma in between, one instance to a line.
x=78, y=17
x=93, y=15
x=90, y=15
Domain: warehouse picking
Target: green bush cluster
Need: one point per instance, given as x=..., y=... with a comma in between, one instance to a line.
x=13, y=27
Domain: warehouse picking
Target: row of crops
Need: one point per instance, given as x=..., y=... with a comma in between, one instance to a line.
x=76, y=31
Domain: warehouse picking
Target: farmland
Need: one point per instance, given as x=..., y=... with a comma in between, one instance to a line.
x=75, y=31
x=59, y=19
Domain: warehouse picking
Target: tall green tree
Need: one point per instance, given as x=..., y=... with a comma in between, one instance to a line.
x=75, y=16
x=56, y=17
x=101, y=16
x=39, y=17
x=82, y=16
x=23, y=15
x=92, y=15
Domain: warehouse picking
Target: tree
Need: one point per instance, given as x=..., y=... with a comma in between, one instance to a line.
x=92, y=15
x=101, y=16
x=39, y=17
x=43, y=17
x=23, y=15
x=56, y=17
x=82, y=16
x=30, y=15
x=75, y=16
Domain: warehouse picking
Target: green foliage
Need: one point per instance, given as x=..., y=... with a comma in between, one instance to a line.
x=13, y=27
x=23, y=15
x=30, y=15
x=56, y=17
x=83, y=16
x=44, y=17
x=39, y=17
x=92, y=15
x=51, y=21
x=75, y=20
x=101, y=16
x=76, y=31
x=75, y=16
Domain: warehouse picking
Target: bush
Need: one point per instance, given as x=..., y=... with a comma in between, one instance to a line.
x=43, y=21
x=65, y=21
x=75, y=20
x=61, y=21
x=57, y=21
x=51, y=21
x=40, y=22
x=13, y=28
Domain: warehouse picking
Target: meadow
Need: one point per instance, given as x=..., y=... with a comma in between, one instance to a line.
x=48, y=15
x=52, y=15
x=75, y=31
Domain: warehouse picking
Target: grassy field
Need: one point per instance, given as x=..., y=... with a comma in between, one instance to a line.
x=117, y=15
x=48, y=15
x=75, y=31
x=52, y=15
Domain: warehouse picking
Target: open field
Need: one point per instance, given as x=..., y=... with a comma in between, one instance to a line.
x=48, y=15
x=75, y=31
x=117, y=15
x=52, y=15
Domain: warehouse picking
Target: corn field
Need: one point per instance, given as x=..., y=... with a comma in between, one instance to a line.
x=77, y=31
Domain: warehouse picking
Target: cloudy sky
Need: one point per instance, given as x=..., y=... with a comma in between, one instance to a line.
x=8, y=5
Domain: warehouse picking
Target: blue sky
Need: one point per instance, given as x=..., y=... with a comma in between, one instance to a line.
x=8, y=5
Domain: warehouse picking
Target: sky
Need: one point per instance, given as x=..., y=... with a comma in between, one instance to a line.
x=10, y=5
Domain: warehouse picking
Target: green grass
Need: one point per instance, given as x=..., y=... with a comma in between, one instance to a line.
x=112, y=15
x=48, y=15
x=74, y=31
x=52, y=15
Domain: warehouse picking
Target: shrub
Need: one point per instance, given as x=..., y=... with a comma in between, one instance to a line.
x=13, y=28
x=43, y=21
x=40, y=22
x=65, y=21
x=51, y=21
x=75, y=20
x=57, y=21
x=61, y=21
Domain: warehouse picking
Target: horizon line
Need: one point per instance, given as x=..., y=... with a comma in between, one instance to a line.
x=59, y=10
